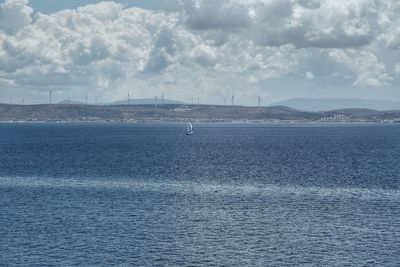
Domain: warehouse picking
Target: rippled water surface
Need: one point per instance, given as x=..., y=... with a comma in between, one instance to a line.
x=230, y=195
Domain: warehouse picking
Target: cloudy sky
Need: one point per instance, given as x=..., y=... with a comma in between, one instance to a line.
x=199, y=48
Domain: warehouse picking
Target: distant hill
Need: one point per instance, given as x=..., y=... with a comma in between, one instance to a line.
x=140, y=101
x=71, y=102
x=310, y=104
x=166, y=112
x=178, y=112
x=145, y=101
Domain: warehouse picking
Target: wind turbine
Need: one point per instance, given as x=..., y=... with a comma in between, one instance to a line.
x=259, y=99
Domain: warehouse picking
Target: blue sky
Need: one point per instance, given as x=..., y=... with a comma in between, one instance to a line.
x=199, y=48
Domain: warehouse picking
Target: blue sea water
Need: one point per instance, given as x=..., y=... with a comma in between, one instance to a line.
x=230, y=195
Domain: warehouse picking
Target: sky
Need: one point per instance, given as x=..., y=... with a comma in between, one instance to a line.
x=202, y=49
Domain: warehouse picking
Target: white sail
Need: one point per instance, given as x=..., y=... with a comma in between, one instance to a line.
x=189, y=129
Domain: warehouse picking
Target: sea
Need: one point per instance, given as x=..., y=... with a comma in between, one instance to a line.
x=93, y=194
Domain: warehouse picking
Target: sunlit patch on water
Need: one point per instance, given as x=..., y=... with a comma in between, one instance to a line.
x=198, y=188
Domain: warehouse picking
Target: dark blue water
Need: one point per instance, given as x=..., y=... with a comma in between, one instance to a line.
x=230, y=195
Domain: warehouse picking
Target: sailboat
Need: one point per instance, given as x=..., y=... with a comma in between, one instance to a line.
x=189, y=130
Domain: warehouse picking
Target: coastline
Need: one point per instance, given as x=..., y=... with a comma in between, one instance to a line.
x=243, y=122
x=177, y=113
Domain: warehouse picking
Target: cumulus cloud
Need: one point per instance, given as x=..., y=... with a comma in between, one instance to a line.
x=205, y=15
x=109, y=47
x=303, y=23
x=397, y=69
x=205, y=55
x=14, y=15
x=90, y=44
x=369, y=70
x=309, y=75
x=389, y=21
x=102, y=43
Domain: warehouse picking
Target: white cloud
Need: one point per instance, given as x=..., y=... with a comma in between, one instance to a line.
x=309, y=75
x=369, y=70
x=102, y=11
x=324, y=24
x=206, y=14
x=14, y=15
x=389, y=22
x=98, y=45
x=84, y=44
x=397, y=68
x=205, y=55
x=222, y=45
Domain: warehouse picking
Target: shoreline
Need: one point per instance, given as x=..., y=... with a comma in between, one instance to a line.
x=196, y=113
x=244, y=122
